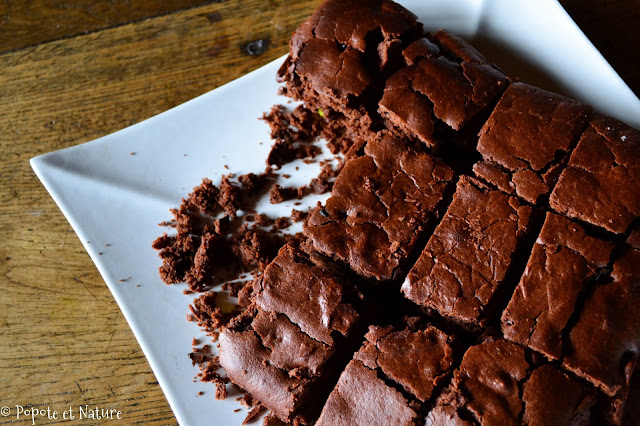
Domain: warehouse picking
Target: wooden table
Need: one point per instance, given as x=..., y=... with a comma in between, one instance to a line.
x=76, y=70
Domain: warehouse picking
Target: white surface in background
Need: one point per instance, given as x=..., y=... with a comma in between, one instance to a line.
x=110, y=196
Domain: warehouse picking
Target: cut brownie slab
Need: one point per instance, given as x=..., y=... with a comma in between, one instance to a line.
x=563, y=262
x=285, y=347
x=379, y=207
x=601, y=184
x=527, y=139
x=340, y=56
x=391, y=377
x=446, y=81
x=467, y=257
x=497, y=385
x=603, y=345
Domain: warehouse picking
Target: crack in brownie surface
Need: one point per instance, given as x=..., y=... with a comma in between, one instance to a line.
x=497, y=385
x=446, y=79
x=469, y=253
x=527, y=139
x=602, y=181
x=563, y=262
x=379, y=206
x=283, y=348
x=340, y=57
x=391, y=377
x=603, y=345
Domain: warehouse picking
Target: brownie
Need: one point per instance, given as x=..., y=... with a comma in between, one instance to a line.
x=467, y=258
x=497, y=385
x=340, y=56
x=564, y=261
x=362, y=398
x=379, y=207
x=603, y=345
x=445, y=81
x=284, y=348
x=390, y=377
x=527, y=139
x=601, y=184
x=551, y=397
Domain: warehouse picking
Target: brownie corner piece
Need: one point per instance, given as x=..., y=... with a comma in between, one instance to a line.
x=601, y=184
x=285, y=347
x=563, y=264
x=446, y=84
x=468, y=256
x=497, y=384
x=391, y=378
x=527, y=140
x=343, y=52
x=603, y=345
x=380, y=205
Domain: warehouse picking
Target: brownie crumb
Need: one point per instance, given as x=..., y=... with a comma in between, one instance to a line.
x=272, y=420
x=255, y=412
x=248, y=400
x=281, y=223
x=207, y=314
x=293, y=133
x=205, y=197
x=255, y=247
x=323, y=183
x=221, y=391
x=229, y=196
x=233, y=287
x=252, y=183
x=298, y=215
x=279, y=194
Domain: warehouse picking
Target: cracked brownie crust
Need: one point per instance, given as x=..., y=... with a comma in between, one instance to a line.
x=391, y=377
x=527, y=138
x=469, y=253
x=564, y=261
x=446, y=81
x=602, y=181
x=497, y=384
x=380, y=205
x=284, y=347
x=603, y=345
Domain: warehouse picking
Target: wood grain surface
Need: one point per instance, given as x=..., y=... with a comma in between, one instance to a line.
x=63, y=340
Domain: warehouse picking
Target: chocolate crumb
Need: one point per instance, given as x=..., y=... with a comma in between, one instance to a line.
x=253, y=414
x=278, y=194
x=298, y=215
x=221, y=391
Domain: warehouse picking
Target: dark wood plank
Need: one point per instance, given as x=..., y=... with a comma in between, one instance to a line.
x=30, y=22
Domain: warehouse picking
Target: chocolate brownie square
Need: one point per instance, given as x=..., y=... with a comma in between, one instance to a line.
x=603, y=345
x=285, y=348
x=564, y=261
x=446, y=81
x=527, y=140
x=340, y=57
x=390, y=377
x=467, y=258
x=497, y=385
x=380, y=205
x=601, y=184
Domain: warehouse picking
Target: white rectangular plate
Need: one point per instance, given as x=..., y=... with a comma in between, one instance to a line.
x=110, y=196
